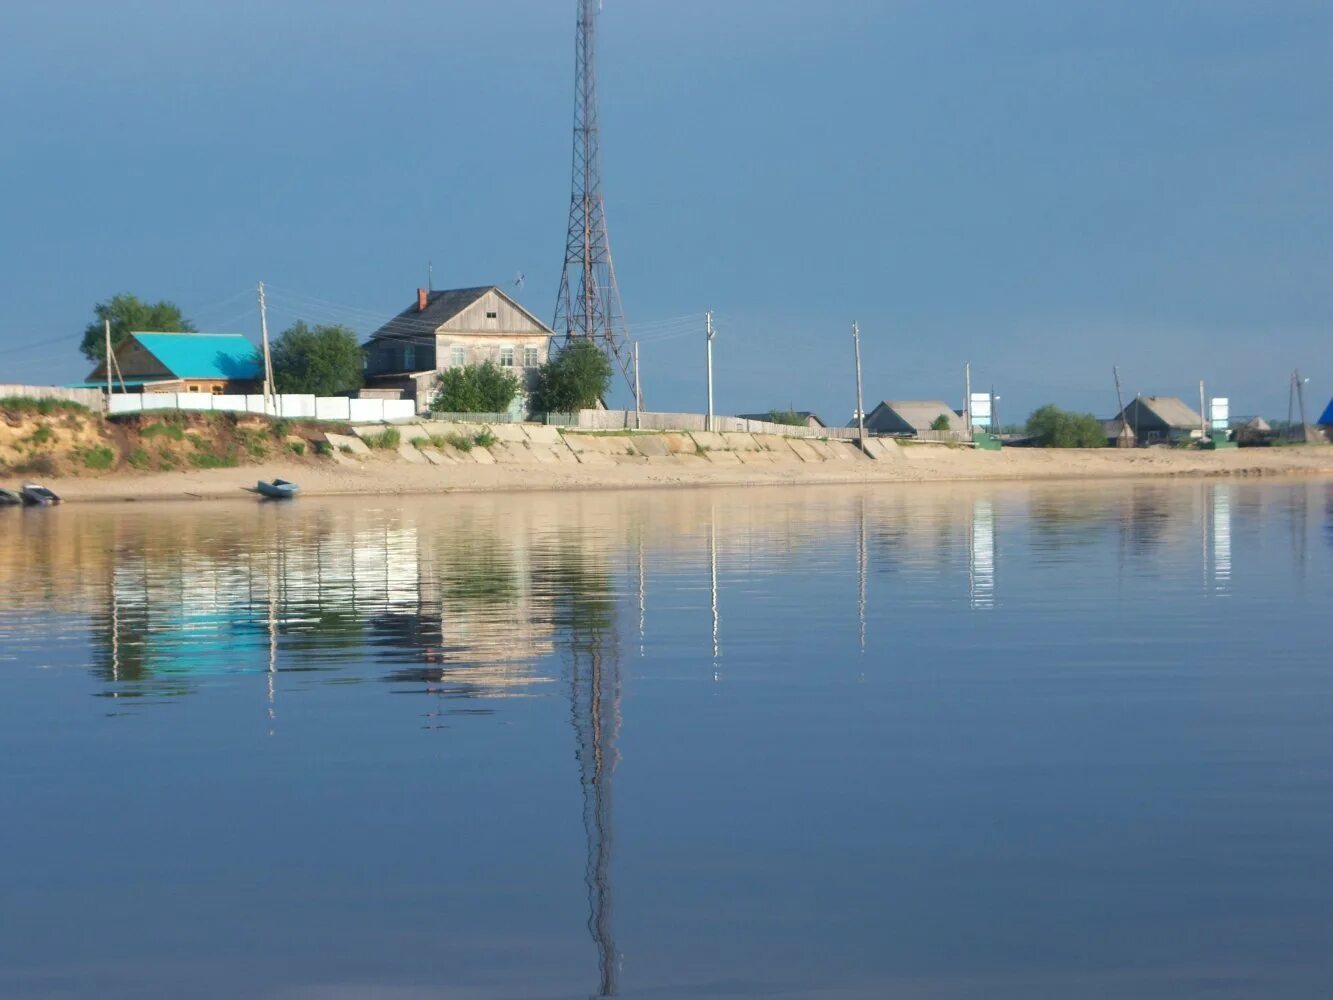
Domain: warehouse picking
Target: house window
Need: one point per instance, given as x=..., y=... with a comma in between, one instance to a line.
x=506, y=357
x=409, y=357
x=492, y=315
x=529, y=357
x=194, y=388
x=217, y=390
x=457, y=357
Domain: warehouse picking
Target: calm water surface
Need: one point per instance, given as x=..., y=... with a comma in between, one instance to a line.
x=909, y=742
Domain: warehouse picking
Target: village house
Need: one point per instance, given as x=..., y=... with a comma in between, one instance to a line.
x=217, y=363
x=451, y=329
x=1326, y=421
x=909, y=417
x=1160, y=419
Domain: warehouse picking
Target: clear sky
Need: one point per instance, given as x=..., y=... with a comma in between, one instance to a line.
x=1043, y=187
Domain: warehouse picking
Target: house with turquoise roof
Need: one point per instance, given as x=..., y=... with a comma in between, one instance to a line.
x=217, y=363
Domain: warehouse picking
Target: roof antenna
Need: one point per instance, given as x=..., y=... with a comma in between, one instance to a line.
x=520, y=280
x=430, y=276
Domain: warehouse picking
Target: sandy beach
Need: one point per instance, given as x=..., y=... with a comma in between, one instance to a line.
x=390, y=473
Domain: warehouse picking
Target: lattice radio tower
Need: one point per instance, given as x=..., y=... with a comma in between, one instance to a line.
x=589, y=302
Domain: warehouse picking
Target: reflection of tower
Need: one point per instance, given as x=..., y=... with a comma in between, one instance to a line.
x=595, y=700
x=588, y=306
x=981, y=556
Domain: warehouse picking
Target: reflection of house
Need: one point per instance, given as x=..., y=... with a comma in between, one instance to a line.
x=909, y=418
x=1161, y=418
x=807, y=418
x=183, y=362
x=443, y=330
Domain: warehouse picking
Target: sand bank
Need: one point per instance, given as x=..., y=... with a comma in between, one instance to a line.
x=513, y=470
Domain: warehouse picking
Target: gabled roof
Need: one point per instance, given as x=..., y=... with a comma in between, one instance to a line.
x=1327, y=419
x=196, y=355
x=1170, y=410
x=919, y=414
x=441, y=307
x=803, y=414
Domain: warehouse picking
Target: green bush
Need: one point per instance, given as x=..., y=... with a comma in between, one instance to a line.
x=42, y=435
x=171, y=430
x=385, y=440
x=460, y=441
x=99, y=457
x=575, y=379
x=43, y=407
x=139, y=459
x=1057, y=428
x=787, y=418
x=483, y=438
x=323, y=360
x=941, y=423
x=296, y=447
x=210, y=460
x=483, y=388
x=323, y=448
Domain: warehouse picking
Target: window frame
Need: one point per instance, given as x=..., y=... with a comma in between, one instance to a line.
x=506, y=352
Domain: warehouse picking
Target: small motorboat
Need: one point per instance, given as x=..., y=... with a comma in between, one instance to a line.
x=8, y=498
x=36, y=495
x=279, y=489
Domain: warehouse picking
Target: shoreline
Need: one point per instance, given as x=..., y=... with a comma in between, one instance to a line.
x=388, y=475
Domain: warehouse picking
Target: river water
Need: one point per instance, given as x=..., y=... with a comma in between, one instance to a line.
x=964, y=741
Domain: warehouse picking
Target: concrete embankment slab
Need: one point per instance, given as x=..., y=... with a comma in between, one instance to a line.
x=436, y=457
x=353, y=444
x=740, y=442
x=802, y=450
x=541, y=434
x=508, y=433
x=680, y=444
x=481, y=456
x=411, y=432
x=409, y=453
x=650, y=445
x=709, y=439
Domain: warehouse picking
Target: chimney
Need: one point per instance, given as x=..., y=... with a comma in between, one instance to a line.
x=423, y=299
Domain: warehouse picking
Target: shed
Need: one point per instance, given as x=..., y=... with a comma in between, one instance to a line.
x=1326, y=421
x=910, y=417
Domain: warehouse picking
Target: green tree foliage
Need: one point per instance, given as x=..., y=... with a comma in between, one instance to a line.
x=575, y=379
x=941, y=423
x=323, y=360
x=129, y=314
x=483, y=388
x=787, y=418
x=1057, y=428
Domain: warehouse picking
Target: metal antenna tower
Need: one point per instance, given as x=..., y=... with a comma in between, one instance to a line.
x=589, y=302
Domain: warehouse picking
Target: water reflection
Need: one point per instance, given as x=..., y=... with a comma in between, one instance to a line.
x=486, y=608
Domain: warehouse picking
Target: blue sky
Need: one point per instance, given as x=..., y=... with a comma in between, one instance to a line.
x=1043, y=188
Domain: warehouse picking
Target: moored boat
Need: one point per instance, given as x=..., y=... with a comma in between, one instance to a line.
x=279, y=489
x=8, y=498
x=37, y=495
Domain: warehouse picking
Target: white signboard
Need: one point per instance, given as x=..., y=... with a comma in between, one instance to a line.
x=980, y=409
x=1221, y=410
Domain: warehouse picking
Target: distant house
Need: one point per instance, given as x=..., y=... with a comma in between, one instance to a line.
x=808, y=419
x=1326, y=421
x=218, y=363
x=450, y=329
x=1161, y=419
x=908, y=418
x=1118, y=433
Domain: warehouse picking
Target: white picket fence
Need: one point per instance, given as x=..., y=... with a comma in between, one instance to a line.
x=289, y=406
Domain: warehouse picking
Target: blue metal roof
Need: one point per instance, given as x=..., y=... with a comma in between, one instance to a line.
x=203, y=355
x=1327, y=418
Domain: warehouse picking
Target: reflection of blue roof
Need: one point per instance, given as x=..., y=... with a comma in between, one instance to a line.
x=203, y=355
x=1327, y=418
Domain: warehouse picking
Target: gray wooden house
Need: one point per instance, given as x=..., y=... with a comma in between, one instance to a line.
x=910, y=417
x=450, y=329
x=1161, y=419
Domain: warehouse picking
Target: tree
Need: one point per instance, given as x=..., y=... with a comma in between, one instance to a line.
x=575, y=379
x=787, y=418
x=483, y=388
x=1057, y=428
x=130, y=314
x=941, y=423
x=320, y=360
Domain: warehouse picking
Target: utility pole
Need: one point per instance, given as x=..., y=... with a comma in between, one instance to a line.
x=708, y=424
x=107, y=327
x=1291, y=401
x=994, y=418
x=1120, y=402
x=860, y=406
x=967, y=398
x=638, y=393
x=268, y=359
x=1300, y=398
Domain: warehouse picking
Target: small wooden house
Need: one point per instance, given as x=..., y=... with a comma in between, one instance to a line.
x=217, y=363
x=1161, y=419
x=910, y=418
